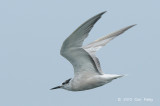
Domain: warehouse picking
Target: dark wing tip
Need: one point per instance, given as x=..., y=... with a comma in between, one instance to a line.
x=100, y=14
x=132, y=25
x=129, y=27
x=103, y=12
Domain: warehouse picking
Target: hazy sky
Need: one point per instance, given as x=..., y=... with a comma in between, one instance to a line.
x=31, y=35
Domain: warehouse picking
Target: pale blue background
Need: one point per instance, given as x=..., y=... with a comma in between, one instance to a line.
x=31, y=35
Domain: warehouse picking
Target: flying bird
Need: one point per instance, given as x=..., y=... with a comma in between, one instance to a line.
x=87, y=70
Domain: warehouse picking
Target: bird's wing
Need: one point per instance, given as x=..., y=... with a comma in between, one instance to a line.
x=99, y=43
x=72, y=48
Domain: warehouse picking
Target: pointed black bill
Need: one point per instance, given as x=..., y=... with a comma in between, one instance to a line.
x=56, y=87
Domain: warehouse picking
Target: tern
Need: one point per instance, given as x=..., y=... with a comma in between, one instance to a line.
x=87, y=69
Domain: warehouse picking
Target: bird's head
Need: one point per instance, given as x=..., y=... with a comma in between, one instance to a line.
x=65, y=85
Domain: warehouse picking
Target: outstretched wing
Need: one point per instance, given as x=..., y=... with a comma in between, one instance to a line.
x=72, y=48
x=99, y=43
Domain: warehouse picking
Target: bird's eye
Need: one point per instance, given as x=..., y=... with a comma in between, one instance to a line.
x=67, y=81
